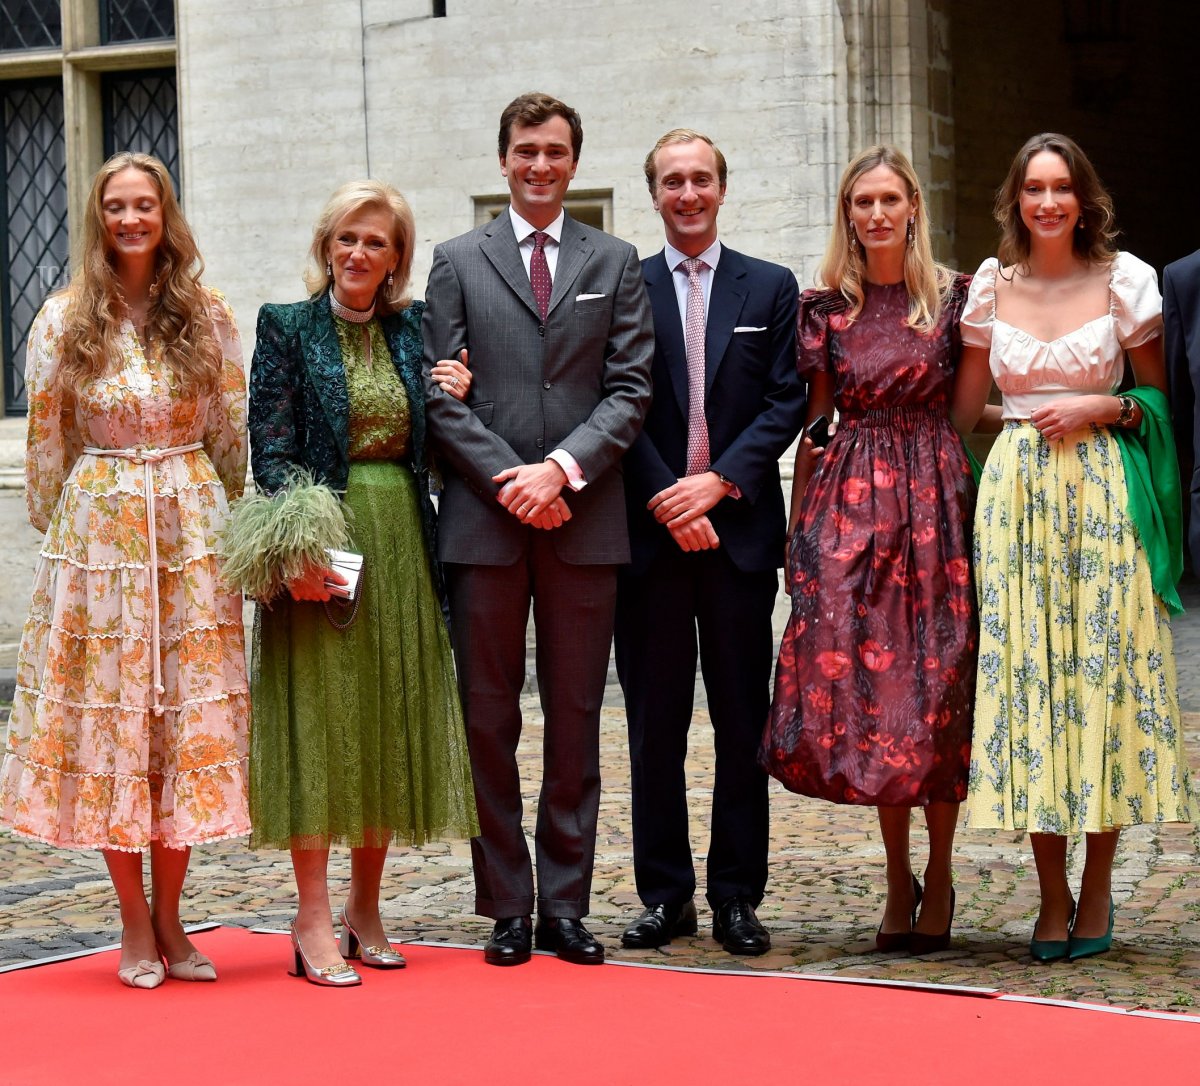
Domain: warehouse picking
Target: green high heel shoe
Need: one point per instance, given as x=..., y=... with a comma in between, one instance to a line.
x=1085, y=948
x=1052, y=950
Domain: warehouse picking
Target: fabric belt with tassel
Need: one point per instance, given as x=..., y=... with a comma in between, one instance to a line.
x=148, y=457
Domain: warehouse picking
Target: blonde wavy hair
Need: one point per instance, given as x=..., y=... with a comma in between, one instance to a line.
x=350, y=198
x=179, y=318
x=844, y=268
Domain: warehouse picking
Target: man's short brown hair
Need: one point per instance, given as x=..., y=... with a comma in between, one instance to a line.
x=535, y=108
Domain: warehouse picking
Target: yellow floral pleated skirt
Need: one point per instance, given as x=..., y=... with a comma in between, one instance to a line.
x=1077, y=724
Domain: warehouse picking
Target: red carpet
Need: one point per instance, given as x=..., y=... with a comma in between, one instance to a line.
x=448, y=1018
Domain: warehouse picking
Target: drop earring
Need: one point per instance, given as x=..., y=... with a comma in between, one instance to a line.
x=328, y=270
x=389, y=280
x=910, y=233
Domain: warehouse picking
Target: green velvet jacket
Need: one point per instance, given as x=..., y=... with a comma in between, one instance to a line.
x=299, y=406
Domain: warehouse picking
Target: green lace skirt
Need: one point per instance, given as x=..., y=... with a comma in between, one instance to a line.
x=357, y=735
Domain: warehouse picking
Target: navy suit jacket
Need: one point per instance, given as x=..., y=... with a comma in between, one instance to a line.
x=754, y=402
x=1181, y=344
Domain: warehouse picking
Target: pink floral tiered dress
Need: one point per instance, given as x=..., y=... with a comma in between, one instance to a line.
x=96, y=757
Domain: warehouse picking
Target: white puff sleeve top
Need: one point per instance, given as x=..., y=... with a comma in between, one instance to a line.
x=1090, y=359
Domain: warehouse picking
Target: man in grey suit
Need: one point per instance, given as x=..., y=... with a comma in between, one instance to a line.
x=554, y=318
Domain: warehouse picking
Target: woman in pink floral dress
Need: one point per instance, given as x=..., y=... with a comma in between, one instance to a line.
x=874, y=682
x=129, y=725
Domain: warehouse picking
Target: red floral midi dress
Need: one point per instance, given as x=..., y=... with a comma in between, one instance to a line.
x=876, y=673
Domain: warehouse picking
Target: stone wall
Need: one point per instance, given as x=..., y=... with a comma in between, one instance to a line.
x=272, y=116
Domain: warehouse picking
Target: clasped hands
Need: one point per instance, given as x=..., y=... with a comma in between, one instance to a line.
x=683, y=509
x=532, y=493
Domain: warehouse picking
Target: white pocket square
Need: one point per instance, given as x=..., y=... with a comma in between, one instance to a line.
x=587, y=297
x=750, y=328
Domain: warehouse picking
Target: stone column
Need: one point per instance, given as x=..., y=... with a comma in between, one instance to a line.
x=898, y=90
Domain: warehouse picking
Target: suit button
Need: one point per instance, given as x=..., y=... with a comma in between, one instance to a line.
x=541, y=329
x=540, y=443
x=545, y=384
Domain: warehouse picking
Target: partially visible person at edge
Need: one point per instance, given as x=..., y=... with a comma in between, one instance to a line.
x=357, y=731
x=554, y=317
x=128, y=728
x=1181, y=343
x=706, y=531
x=874, y=681
x=1077, y=726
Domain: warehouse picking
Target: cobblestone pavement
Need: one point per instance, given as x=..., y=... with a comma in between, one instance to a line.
x=822, y=905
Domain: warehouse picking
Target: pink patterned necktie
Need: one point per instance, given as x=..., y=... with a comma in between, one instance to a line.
x=693, y=338
x=539, y=272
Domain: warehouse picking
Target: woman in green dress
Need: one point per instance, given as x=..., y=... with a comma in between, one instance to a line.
x=357, y=733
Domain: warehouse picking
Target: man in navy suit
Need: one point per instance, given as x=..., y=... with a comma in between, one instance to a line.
x=1181, y=343
x=707, y=529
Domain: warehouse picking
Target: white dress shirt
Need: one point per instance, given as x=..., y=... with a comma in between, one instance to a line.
x=711, y=256
x=526, y=244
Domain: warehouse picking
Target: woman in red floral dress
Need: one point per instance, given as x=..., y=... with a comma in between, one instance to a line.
x=874, y=685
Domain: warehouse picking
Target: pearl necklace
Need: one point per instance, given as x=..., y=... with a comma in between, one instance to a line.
x=354, y=316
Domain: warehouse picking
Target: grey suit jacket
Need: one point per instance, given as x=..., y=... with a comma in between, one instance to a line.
x=580, y=382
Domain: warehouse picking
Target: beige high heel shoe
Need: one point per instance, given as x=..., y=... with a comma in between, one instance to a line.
x=378, y=957
x=195, y=966
x=145, y=974
x=329, y=976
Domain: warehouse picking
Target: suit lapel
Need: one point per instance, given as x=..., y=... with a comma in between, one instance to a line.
x=668, y=328
x=327, y=373
x=499, y=245
x=573, y=252
x=728, y=296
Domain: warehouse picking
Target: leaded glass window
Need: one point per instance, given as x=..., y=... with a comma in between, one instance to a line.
x=140, y=114
x=33, y=199
x=136, y=20
x=30, y=24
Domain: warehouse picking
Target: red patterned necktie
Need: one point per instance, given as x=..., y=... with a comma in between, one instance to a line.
x=693, y=338
x=539, y=272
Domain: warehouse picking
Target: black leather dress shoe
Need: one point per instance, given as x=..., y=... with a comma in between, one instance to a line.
x=569, y=939
x=659, y=924
x=737, y=929
x=510, y=943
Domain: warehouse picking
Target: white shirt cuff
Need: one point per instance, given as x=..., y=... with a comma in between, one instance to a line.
x=575, y=477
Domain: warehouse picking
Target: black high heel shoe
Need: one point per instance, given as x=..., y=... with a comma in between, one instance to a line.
x=920, y=943
x=888, y=941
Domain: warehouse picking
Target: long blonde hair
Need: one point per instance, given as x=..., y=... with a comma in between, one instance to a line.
x=179, y=317
x=844, y=267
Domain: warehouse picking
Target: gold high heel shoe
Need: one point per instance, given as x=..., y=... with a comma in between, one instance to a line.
x=195, y=966
x=330, y=976
x=378, y=957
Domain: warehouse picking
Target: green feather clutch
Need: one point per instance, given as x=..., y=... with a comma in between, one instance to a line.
x=271, y=540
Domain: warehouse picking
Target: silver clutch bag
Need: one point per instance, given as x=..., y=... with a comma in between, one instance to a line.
x=349, y=565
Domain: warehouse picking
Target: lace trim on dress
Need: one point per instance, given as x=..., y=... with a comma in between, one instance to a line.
x=212, y=767
x=105, y=846
x=165, y=491
x=101, y=567
x=91, y=636
x=223, y=696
